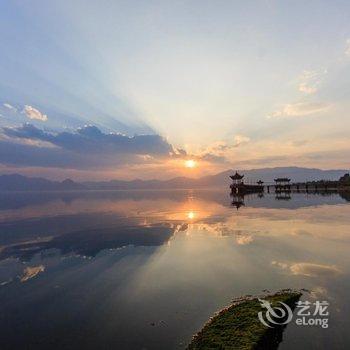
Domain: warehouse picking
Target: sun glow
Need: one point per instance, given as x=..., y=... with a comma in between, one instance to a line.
x=191, y=215
x=190, y=163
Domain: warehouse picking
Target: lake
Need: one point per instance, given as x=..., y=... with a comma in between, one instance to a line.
x=146, y=269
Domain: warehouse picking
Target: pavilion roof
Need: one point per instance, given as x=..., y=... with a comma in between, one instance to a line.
x=237, y=176
x=282, y=179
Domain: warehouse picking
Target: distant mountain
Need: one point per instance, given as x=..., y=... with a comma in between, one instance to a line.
x=177, y=182
x=17, y=182
x=222, y=179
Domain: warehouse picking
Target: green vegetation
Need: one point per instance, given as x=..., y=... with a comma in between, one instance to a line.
x=238, y=326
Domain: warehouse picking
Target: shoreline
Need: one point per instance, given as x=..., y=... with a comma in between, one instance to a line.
x=238, y=327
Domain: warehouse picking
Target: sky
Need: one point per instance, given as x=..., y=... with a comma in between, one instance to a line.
x=135, y=89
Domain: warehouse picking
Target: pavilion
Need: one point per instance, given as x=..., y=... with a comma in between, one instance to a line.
x=282, y=184
x=237, y=178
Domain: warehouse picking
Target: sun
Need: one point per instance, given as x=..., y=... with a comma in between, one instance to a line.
x=190, y=163
x=191, y=215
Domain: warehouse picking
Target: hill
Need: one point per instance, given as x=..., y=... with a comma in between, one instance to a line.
x=16, y=182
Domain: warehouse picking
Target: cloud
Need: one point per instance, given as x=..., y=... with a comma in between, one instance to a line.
x=239, y=140
x=31, y=271
x=319, y=293
x=309, y=81
x=307, y=89
x=313, y=270
x=299, y=143
x=93, y=140
x=214, y=153
x=347, y=49
x=10, y=107
x=32, y=156
x=179, y=152
x=301, y=232
x=279, y=264
x=308, y=269
x=33, y=113
x=217, y=152
x=244, y=239
x=26, y=131
x=212, y=158
x=300, y=109
x=86, y=148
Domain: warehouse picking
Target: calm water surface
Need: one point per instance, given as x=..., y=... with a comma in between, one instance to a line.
x=145, y=270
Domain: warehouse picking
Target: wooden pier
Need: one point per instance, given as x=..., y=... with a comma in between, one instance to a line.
x=284, y=185
x=283, y=188
x=303, y=187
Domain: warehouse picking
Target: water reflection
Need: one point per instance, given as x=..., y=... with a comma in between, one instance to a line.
x=94, y=269
x=237, y=200
x=89, y=242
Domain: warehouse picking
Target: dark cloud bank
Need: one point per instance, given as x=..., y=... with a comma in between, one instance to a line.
x=86, y=148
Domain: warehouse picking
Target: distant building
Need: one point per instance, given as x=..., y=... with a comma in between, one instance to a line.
x=238, y=185
x=345, y=178
x=282, y=184
x=237, y=179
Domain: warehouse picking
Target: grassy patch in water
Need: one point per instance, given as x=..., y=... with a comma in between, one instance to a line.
x=238, y=326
